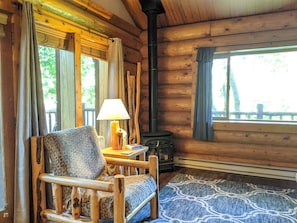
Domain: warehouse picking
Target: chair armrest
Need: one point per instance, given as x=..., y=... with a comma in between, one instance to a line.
x=127, y=162
x=77, y=182
x=117, y=187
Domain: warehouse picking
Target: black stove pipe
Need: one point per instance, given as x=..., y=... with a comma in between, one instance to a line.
x=152, y=8
x=153, y=71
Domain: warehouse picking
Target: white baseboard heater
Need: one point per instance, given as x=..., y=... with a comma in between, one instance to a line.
x=238, y=168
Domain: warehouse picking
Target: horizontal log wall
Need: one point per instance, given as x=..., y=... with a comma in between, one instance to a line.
x=258, y=144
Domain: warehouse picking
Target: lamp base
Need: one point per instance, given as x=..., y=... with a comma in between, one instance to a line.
x=116, y=135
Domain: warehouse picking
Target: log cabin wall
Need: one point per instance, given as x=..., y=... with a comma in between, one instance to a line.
x=265, y=144
x=51, y=27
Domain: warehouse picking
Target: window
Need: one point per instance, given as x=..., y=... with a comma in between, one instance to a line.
x=88, y=90
x=255, y=85
x=94, y=81
x=47, y=58
x=59, y=90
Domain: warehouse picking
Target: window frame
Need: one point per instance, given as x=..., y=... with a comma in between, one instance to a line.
x=78, y=43
x=253, y=51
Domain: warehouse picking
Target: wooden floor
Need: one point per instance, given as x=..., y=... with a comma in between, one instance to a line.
x=166, y=176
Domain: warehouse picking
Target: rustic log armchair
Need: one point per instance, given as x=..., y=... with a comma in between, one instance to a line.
x=83, y=189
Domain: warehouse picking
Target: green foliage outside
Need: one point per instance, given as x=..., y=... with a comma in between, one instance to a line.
x=261, y=85
x=88, y=81
x=47, y=57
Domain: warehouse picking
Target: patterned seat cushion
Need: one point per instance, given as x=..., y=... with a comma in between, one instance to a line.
x=137, y=189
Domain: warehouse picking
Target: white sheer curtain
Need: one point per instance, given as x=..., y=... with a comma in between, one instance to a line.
x=116, y=80
x=30, y=114
x=101, y=94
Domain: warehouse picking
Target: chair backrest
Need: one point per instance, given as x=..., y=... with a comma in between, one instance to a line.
x=75, y=152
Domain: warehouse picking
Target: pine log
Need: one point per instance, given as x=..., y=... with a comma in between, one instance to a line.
x=131, y=106
x=171, y=118
x=170, y=91
x=58, y=192
x=277, y=139
x=47, y=17
x=171, y=63
x=8, y=6
x=180, y=131
x=38, y=187
x=106, y=15
x=137, y=105
x=131, y=55
x=95, y=207
x=264, y=155
x=75, y=203
x=77, y=73
x=119, y=189
x=44, y=24
x=267, y=127
x=176, y=91
x=170, y=77
x=171, y=104
x=256, y=45
x=185, y=47
x=248, y=24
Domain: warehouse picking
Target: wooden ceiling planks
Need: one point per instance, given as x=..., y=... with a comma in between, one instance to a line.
x=180, y=12
x=134, y=9
x=174, y=12
x=192, y=11
x=206, y=9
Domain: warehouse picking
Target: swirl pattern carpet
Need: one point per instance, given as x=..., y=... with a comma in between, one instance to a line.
x=192, y=199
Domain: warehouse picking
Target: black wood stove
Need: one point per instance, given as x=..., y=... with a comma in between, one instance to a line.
x=159, y=142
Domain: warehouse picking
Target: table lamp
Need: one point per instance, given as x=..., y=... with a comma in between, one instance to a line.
x=114, y=110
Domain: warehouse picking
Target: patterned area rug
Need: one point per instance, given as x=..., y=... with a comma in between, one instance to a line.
x=192, y=199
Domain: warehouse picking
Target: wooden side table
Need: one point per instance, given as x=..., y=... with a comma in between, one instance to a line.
x=126, y=154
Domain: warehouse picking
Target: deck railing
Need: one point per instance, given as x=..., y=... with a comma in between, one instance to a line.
x=259, y=114
x=89, y=118
x=277, y=116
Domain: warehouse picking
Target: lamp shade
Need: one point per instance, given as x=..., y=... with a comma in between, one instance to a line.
x=113, y=109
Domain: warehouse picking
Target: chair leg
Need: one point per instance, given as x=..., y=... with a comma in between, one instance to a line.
x=154, y=203
x=154, y=172
x=119, y=199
